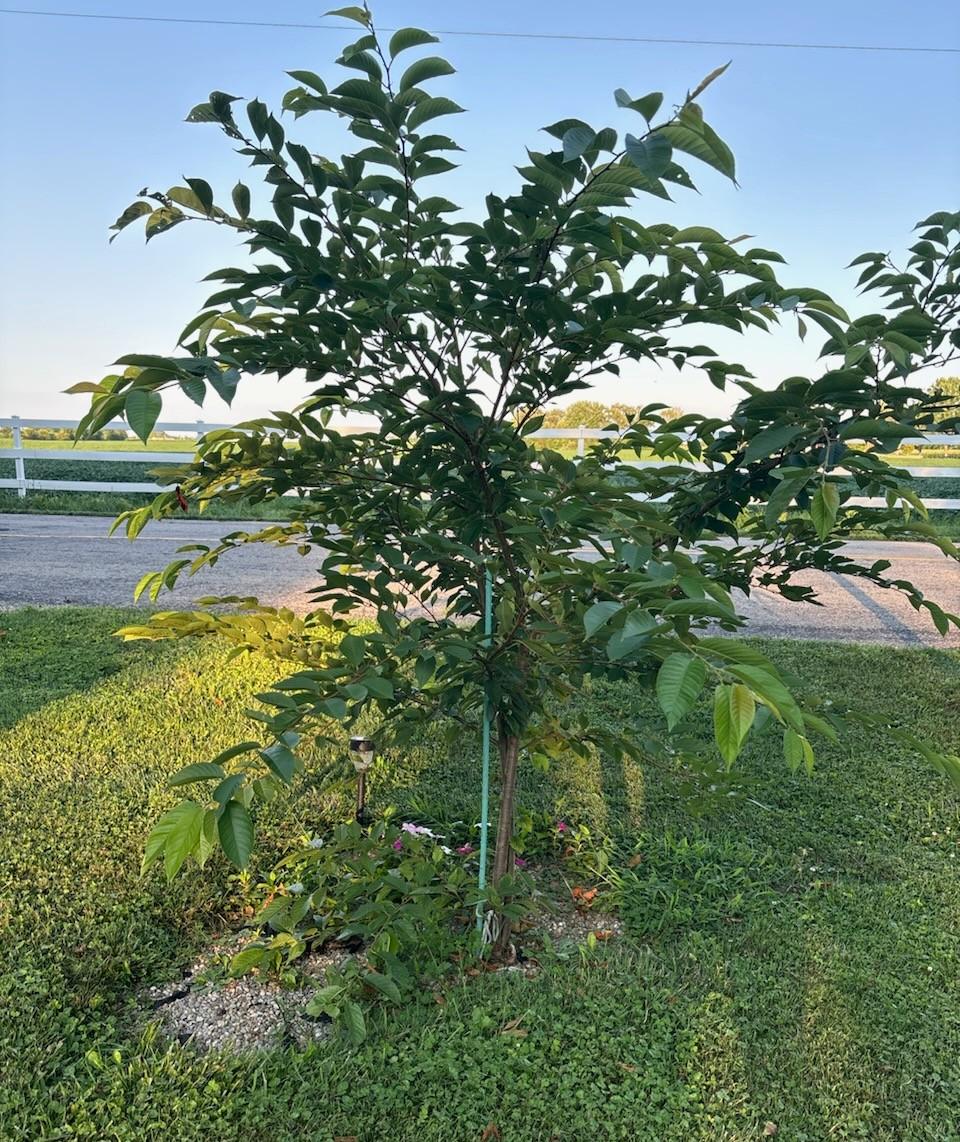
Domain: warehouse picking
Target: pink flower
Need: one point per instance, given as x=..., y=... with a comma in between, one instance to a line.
x=398, y=844
x=418, y=830
x=519, y=862
x=562, y=826
x=465, y=850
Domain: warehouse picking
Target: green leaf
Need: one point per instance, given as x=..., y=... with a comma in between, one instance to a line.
x=161, y=831
x=768, y=687
x=241, y=199
x=335, y=708
x=235, y=751
x=235, y=829
x=722, y=729
x=651, y=155
x=201, y=188
x=310, y=79
x=201, y=113
x=207, y=840
x=575, y=142
x=797, y=750
x=134, y=211
x=226, y=789
x=352, y=649
x=785, y=493
x=770, y=440
x=258, y=115
x=824, y=508
x=430, y=67
x=734, y=709
x=405, y=38
x=141, y=409
x=698, y=234
x=379, y=687
x=647, y=105
x=353, y=1023
x=703, y=144
x=194, y=387
x=875, y=430
x=280, y=760
x=679, y=682
x=358, y=15
x=384, y=984
x=249, y=958
x=182, y=837
x=431, y=108
x=364, y=90
x=599, y=614
x=202, y=771
x=225, y=384
x=699, y=608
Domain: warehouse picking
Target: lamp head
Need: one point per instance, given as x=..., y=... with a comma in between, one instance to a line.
x=364, y=748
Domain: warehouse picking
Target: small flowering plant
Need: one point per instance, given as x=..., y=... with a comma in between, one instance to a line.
x=548, y=834
x=355, y=885
x=395, y=891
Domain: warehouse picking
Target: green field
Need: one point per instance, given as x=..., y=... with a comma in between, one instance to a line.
x=807, y=973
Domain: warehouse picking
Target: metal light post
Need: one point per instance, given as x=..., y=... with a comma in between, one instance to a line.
x=363, y=750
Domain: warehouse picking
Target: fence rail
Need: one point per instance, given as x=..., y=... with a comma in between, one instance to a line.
x=20, y=454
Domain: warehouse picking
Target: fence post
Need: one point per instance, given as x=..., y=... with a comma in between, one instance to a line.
x=19, y=469
x=200, y=429
x=581, y=439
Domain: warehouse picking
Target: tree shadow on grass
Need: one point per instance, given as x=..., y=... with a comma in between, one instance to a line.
x=48, y=653
x=842, y=995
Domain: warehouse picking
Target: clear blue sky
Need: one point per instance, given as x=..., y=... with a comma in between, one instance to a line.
x=838, y=152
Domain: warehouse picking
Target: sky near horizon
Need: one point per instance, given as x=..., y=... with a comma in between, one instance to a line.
x=837, y=152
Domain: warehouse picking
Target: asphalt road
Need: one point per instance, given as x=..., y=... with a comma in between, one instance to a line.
x=57, y=560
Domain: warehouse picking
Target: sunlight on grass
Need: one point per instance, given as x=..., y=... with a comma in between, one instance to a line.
x=808, y=973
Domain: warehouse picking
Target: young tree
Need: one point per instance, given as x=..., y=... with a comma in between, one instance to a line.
x=452, y=331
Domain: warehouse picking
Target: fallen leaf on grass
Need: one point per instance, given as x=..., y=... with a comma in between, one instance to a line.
x=604, y=933
x=636, y=859
x=631, y=1070
x=513, y=1028
x=769, y=1129
x=489, y=1132
x=583, y=896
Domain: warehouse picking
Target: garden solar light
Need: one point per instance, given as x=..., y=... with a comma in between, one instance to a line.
x=363, y=750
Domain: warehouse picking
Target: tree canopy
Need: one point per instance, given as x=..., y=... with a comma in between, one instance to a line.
x=454, y=331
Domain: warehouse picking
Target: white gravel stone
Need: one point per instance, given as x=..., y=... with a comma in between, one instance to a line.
x=245, y=1014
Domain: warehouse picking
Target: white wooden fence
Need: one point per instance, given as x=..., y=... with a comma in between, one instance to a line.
x=19, y=454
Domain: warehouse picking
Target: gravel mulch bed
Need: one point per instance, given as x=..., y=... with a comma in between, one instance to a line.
x=256, y=1014
x=245, y=1014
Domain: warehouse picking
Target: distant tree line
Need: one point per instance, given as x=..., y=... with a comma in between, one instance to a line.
x=949, y=389
x=593, y=414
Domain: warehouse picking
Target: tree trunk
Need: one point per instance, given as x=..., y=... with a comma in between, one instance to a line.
x=503, y=856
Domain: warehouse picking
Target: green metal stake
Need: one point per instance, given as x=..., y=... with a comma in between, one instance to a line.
x=485, y=750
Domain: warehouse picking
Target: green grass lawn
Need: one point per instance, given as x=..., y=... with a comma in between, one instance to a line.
x=808, y=973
